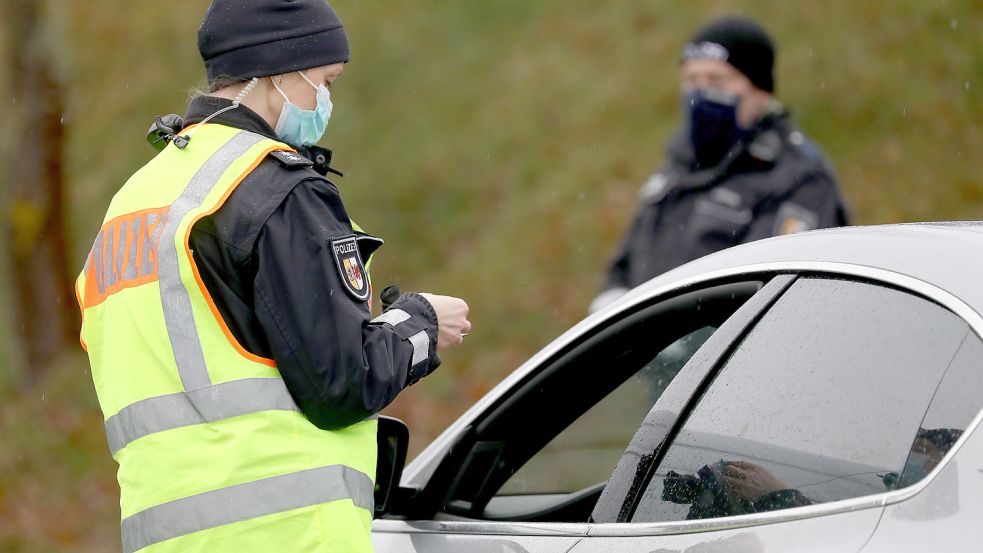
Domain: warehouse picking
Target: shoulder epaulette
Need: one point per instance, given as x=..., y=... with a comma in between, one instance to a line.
x=290, y=159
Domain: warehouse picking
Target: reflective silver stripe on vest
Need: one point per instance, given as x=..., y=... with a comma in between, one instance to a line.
x=393, y=317
x=180, y=321
x=246, y=501
x=213, y=403
x=421, y=347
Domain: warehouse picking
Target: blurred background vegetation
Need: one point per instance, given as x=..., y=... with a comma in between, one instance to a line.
x=497, y=146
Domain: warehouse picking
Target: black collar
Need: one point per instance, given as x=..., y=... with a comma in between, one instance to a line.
x=248, y=120
x=240, y=117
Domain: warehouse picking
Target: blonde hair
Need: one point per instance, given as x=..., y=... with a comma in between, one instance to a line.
x=214, y=85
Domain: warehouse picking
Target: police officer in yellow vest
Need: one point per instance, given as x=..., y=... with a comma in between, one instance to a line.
x=226, y=315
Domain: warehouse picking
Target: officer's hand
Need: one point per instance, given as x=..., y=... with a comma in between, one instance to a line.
x=452, y=319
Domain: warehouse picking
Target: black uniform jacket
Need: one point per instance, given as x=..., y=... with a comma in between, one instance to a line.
x=266, y=259
x=775, y=182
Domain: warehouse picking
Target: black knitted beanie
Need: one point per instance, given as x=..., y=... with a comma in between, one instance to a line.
x=739, y=41
x=258, y=38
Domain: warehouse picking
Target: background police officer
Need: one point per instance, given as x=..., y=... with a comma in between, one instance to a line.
x=737, y=171
x=226, y=310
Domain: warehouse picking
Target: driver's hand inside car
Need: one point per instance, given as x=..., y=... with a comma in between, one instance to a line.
x=749, y=480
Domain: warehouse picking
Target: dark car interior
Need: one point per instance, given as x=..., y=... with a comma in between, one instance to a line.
x=466, y=485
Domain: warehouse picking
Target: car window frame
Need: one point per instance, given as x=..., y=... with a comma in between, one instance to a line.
x=610, y=524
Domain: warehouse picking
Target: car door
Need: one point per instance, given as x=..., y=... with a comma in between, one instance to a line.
x=794, y=436
x=525, y=473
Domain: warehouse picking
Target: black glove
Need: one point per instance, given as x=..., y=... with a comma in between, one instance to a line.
x=389, y=295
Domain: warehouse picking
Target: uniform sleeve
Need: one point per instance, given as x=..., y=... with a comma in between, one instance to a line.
x=652, y=193
x=339, y=366
x=813, y=203
x=816, y=203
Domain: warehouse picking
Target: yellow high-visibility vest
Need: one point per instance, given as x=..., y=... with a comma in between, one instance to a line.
x=213, y=453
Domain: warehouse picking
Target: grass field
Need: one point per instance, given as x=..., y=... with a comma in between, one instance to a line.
x=497, y=146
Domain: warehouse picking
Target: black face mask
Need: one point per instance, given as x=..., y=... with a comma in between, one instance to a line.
x=713, y=128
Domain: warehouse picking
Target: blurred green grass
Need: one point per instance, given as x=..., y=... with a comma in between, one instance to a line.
x=497, y=146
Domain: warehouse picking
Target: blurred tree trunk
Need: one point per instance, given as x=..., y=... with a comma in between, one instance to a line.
x=40, y=283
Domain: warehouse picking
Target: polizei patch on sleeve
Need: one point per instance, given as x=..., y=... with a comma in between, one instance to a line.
x=350, y=267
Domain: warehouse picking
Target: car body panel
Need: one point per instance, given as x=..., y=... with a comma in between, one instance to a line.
x=842, y=532
x=474, y=536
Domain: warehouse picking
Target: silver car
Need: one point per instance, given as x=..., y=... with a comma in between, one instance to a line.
x=817, y=392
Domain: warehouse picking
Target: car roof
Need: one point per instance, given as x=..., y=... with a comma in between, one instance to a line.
x=943, y=254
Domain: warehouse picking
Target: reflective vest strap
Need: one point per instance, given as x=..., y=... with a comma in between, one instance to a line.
x=244, y=502
x=209, y=404
x=178, y=315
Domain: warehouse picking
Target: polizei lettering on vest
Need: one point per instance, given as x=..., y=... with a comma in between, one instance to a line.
x=124, y=254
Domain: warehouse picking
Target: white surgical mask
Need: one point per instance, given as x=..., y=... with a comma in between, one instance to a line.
x=303, y=127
